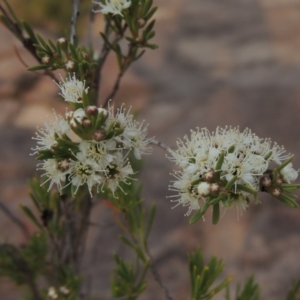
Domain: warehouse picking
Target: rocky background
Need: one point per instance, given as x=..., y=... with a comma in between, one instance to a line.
x=219, y=62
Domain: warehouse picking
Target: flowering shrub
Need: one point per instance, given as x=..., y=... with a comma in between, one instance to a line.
x=90, y=155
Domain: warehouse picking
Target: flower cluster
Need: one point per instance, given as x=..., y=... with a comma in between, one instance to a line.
x=114, y=7
x=89, y=146
x=227, y=167
x=55, y=294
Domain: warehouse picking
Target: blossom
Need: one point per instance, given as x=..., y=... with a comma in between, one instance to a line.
x=134, y=134
x=227, y=165
x=118, y=171
x=46, y=137
x=288, y=173
x=82, y=171
x=98, y=152
x=52, y=293
x=188, y=194
x=54, y=172
x=114, y=7
x=72, y=89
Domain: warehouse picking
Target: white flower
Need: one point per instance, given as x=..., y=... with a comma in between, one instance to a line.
x=187, y=193
x=52, y=293
x=82, y=172
x=246, y=159
x=134, y=137
x=64, y=290
x=53, y=172
x=72, y=89
x=288, y=173
x=98, y=153
x=134, y=133
x=118, y=171
x=114, y=7
x=46, y=137
x=121, y=119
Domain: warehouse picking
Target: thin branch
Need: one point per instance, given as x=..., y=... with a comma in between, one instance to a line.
x=74, y=20
x=91, y=26
x=114, y=90
x=157, y=276
x=27, y=42
x=104, y=52
x=14, y=219
x=160, y=144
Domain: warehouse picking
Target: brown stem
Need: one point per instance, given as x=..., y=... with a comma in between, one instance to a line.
x=27, y=42
x=14, y=219
x=75, y=14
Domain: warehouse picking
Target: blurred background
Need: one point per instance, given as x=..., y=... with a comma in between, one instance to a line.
x=219, y=62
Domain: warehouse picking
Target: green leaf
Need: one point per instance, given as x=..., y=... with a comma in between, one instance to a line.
x=150, y=14
x=31, y=216
x=150, y=220
x=230, y=183
x=30, y=32
x=38, y=68
x=216, y=213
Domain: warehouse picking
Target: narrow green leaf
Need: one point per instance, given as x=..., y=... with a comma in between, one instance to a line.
x=216, y=213
x=31, y=216
x=29, y=31
x=150, y=220
x=37, y=68
x=150, y=14
x=246, y=188
x=126, y=241
x=231, y=182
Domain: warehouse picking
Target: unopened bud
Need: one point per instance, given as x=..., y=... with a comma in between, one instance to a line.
x=265, y=182
x=70, y=65
x=64, y=164
x=91, y=110
x=214, y=188
x=103, y=111
x=84, y=55
x=99, y=135
x=62, y=40
x=86, y=123
x=141, y=23
x=45, y=60
x=276, y=192
x=278, y=182
x=203, y=188
x=209, y=176
x=64, y=290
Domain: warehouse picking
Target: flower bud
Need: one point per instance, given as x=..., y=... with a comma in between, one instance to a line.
x=62, y=40
x=64, y=290
x=203, y=188
x=45, y=59
x=99, y=135
x=70, y=65
x=276, y=192
x=86, y=123
x=141, y=22
x=214, y=188
x=64, y=165
x=265, y=182
x=209, y=176
x=91, y=110
x=84, y=55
